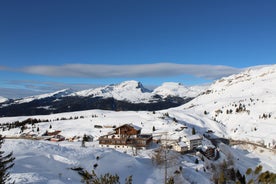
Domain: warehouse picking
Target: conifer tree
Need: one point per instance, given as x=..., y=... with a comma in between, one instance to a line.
x=193, y=131
x=6, y=162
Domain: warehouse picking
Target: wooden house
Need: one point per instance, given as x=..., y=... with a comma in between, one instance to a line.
x=128, y=129
x=209, y=151
x=125, y=136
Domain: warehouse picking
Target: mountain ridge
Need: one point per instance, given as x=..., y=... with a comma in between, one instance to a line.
x=128, y=95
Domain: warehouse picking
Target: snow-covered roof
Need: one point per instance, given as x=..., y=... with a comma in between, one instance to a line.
x=204, y=148
x=182, y=144
x=194, y=137
x=133, y=126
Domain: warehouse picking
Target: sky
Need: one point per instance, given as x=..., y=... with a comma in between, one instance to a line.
x=55, y=44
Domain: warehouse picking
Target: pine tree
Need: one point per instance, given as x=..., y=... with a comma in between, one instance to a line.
x=6, y=162
x=128, y=180
x=248, y=171
x=170, y=181
x=193, y=131
x=258, y=169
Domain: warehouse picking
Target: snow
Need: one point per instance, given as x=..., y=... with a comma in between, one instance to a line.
x=60, y=93
x=194, y=137
x=2, y=99
x=177, y=89
x=131, y=91
x=48, y=162
x=253, y=88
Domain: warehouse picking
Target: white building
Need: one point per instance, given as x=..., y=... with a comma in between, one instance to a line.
x=193, y=141
x=180, y=147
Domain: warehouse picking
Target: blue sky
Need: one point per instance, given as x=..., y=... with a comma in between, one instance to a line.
x=50, y=45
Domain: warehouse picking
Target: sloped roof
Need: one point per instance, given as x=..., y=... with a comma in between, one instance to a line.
x=182, y=144
x=131, y=125
x=194, y=137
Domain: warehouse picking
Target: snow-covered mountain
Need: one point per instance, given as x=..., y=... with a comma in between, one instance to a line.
x=177, y=89
x=131, y=91
x=242, y=105
x=2, y=99
x=57, y=94
x=135, y=92
x=128, y=95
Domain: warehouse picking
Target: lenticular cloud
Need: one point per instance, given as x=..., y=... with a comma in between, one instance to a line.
x=141, y=70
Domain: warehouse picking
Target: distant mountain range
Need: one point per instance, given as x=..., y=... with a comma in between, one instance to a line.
x=128, y=95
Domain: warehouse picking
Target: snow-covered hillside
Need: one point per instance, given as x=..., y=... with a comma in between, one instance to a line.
x=242, y=105
x=47, y=162
x=39, y=161
x=177, y=89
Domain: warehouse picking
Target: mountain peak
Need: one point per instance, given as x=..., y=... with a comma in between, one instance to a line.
x=177, y=89
x=133, y=85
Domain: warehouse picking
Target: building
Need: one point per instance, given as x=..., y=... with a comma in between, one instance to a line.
x=180, y=147
x=57, y=138
x=193, y=141
x=126, y=136
x=209, y=151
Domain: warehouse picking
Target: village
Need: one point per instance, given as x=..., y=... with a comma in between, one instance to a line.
x=158, y=141
x=130, y=136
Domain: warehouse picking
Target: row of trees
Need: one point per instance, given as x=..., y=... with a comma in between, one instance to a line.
x=16, y=124
x=224, y=173
x=92, y=178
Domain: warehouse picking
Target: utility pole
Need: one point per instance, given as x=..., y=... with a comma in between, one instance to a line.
x=165, y=154
x=166, y=159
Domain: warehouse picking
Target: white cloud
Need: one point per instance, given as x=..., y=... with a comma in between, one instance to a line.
x=130, y=71
x=32, y=87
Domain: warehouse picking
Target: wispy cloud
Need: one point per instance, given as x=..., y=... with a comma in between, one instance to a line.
x=3, y=68
x=23, y=88
x=129, y=71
